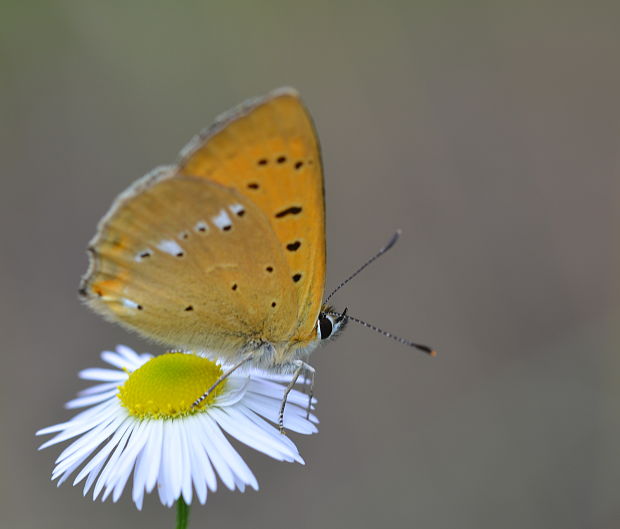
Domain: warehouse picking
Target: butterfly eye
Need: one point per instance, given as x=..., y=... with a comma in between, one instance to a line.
x=325, y=326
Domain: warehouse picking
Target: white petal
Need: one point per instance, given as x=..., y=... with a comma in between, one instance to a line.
x=92, y=475
x=184, y=460
x=243, y=429
x=94, y=465
x=101, y=374
x=201, y=457
x=268, y=428
x=138, y=497
x=135, y=444
x=81, y=402
x=230, y=455
x=116, y=360
x=129, y=354
x=111, y=464
x=266, y=375
x=100, y=413
x=235, y=391
x=91, y=440
x=241, y=485
x=293, y=418
x=139, y=477
x=195, y=462
x=170, y=466
x=52, y=429
x=79, y=419
x=98, y=388
x=219, y=463
x=69, y=471
x=153, y=455
x=126, y=462
x=276, y=391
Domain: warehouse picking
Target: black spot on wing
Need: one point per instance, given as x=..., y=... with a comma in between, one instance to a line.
x=293, y=210
x=293, y=246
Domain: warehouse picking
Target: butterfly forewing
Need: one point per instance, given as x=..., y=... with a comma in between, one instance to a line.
x=193, y=264
x=268, y=151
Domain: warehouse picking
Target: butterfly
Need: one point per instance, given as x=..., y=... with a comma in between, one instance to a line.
x=225, y=250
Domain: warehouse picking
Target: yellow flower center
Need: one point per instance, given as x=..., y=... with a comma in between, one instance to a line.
x=167, y=386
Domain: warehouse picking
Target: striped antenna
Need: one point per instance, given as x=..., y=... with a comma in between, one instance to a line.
x=424, y=348
x=383, y=250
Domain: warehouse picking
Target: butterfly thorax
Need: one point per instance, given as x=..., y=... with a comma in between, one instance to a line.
x=282, y=355
x=279, y=357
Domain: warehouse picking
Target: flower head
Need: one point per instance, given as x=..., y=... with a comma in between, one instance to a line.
x=139, y=419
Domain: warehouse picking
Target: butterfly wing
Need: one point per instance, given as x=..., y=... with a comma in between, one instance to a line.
x=190, y=263
x=268, y=151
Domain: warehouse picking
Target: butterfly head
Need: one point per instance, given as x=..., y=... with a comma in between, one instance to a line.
x=329, y=324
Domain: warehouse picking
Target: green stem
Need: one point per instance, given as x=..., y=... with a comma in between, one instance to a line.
x=182, y=514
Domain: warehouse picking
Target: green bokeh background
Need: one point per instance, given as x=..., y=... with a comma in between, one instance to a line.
x=488, y=131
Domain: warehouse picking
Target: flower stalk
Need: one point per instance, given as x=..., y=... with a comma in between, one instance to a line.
x=182, y=514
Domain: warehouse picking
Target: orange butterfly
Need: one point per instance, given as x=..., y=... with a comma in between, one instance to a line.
x=224, y=251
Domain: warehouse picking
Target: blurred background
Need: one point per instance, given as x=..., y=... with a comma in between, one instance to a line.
x=488, y=131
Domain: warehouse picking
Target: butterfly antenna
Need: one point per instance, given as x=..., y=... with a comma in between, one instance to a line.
x=424, y=348
x=383, y=250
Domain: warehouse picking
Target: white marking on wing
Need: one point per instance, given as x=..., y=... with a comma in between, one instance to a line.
x=171, y=247
x=129, y=303
x=236, y=208
x=202, y=226
x=222, y=220
x=144, y=254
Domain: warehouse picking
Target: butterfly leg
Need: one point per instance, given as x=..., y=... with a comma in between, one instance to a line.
x=310, y=392
x=308, y=389
x=301, y=366
x=221, y=379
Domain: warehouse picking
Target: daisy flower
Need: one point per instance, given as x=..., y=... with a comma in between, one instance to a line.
x=139, y=419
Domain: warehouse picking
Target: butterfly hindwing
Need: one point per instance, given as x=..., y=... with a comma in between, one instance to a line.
x=192, y=264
